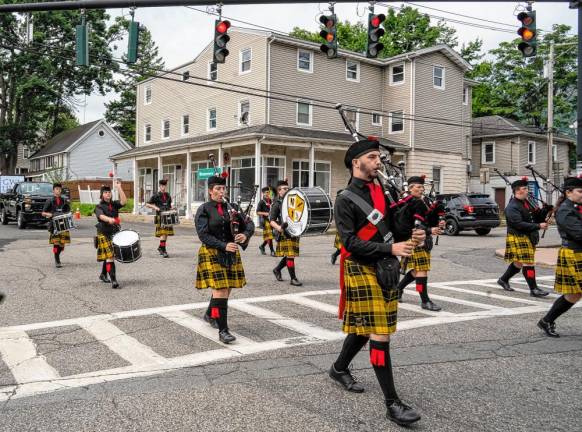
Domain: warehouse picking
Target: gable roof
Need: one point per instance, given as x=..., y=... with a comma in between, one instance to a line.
x=496, y=125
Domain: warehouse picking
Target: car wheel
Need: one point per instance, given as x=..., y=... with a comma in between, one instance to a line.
x=3, y=217
x=20, y=221
x=451, y=227
x=482, y=231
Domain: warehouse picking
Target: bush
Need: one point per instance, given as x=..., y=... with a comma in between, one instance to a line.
x=89, y=209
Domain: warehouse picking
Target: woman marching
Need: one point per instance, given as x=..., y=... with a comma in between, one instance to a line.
x=220, y=266
x=53, y=207
x=569, y=268
x=263, y=209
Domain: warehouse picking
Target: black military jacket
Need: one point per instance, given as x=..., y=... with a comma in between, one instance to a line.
x=110, y=209
x=214, y=230
x=52, y=206
x=161, y=200
x=569, y=221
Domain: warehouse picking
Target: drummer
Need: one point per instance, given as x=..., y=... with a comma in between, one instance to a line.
x=107, y=212
x=263, y=209
x=161, y=201
x=56, y=205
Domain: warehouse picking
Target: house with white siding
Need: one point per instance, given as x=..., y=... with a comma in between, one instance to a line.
x=81, y=153
x=268, y=113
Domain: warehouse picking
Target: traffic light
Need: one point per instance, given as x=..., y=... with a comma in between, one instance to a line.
x=132, y=46
x=528, y=34
x=329, y=34
x=221, y=38
x=82, y=44
x=375, y=32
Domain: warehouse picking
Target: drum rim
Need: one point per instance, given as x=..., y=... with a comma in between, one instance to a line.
x=325, y=194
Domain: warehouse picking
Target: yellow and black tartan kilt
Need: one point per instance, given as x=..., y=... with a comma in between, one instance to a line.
x=287, y=247
x=366, y=310
x=104, y=248
x=60, y=239
x=420, y=260
x=337, y=243
x=267, y=231
x=167, y=230
x=211, y=274
x=518, y=248
x=568, y=272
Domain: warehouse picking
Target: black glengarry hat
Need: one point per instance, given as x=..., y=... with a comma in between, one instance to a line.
x=359, y=148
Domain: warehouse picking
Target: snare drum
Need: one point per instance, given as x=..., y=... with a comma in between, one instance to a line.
x=126, y=246
x=62, y=223
x=169, y=218
x=307, y=211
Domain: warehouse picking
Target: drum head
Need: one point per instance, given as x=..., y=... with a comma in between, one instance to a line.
x=303, y=207
x=125, y=238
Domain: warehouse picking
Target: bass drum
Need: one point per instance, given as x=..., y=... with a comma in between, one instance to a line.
x=306, y=211
x=126, y=246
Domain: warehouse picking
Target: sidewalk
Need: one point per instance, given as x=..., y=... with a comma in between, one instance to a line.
x=545, y=257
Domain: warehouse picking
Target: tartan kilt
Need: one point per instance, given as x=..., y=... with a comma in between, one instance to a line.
x=420, y=260
x=167, y=230
x=518, y=248
x=267, y=231
x=211, y=274
x=366, y=310
x=568, y=272
x=287, y=247
x=104, y=248
x=337, y=243
x=60, y=239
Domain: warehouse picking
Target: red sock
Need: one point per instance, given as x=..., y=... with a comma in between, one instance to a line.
x=55, y=250
x=214, y=312
x=290, y=263
x=108, y=267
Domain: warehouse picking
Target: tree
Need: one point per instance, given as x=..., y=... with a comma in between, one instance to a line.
x=39, y=81
x=121, y=112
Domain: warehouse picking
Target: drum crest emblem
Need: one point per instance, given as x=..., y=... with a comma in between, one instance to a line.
x=295, y=207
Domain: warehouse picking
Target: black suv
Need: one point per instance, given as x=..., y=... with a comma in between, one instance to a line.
x=470, y=211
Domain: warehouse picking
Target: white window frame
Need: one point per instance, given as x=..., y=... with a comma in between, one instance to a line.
x=390, y=131
x=193, y=179
x=311, y=58
x=531, y=160
x=169, y=129
x=379, y=123
x=264, y=166
x=145, y=133
x=240, y=103
x=26, y=152
x=328, y=162
x=465, y=95
x=145, y=95
x=434, y=67
x=392, y=83
x=183, y=124
x=208, y=128
x=240, y=61
x=305, y=102
x=441, y=177
x=554, y=152
x=483, y=153
x=358, y=70
x=210, y=80
x=357, y=111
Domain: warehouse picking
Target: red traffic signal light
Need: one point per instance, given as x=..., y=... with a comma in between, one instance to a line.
x=375, y=32
x=223, y=26
x=376, y=20
x=221, y=38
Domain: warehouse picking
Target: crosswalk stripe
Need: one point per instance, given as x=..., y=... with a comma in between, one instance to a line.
x=314, y=304
x=485, y=294
x=454, y=300
x=418, y=309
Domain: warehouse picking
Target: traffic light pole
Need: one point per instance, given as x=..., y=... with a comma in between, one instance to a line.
x=550, y=120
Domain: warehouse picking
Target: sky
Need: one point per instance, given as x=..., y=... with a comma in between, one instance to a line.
x=181, y=33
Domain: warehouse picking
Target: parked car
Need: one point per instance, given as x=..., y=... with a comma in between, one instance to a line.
x=470, y=211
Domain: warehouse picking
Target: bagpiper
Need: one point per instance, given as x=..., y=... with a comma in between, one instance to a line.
x=568, y=279
x=220, y=267
x=54, y=206
x=522, y=238
x=369, y=276
x=263, y=209
x=161, y=201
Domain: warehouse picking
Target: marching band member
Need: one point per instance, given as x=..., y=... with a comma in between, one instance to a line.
x=54, y=206
x=287, y=247
x=108, y=223
x=263, y=209
x=161, y=201
x=419, y=263
x=369, y=304
x=337, y=242
x=522, y=238
x=568, y=281
x=220, y=266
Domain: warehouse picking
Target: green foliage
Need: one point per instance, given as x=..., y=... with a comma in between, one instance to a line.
x=89, y=209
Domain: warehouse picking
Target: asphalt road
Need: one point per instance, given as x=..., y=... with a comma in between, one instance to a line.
x=78, y=356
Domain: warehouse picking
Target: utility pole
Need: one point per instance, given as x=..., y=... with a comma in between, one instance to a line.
x=550, y=66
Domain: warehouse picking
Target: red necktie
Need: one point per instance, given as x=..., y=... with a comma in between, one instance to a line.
x=58, y=202
x=219, y=208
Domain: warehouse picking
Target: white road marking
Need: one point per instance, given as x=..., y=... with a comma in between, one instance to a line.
x=35, y=376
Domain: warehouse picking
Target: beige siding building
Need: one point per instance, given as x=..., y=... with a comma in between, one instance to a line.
x=269, y=113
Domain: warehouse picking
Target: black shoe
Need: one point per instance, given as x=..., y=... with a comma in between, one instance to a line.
x=346, y=380
x=402, y=414
x=536, y=292
x=104, y=278
x=504, y=285
x=165, y=254
x=549, y=328
x=115, y=284
x=160, y=250
x=273, y=254
x=58, y=262
x=429, y=305
x=333, y=259
x=212, y=321
x=295, y=282
x=225, y=337
x=262, y=249
x=278, y=275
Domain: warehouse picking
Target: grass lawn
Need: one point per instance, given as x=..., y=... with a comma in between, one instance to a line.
x=88, y=209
